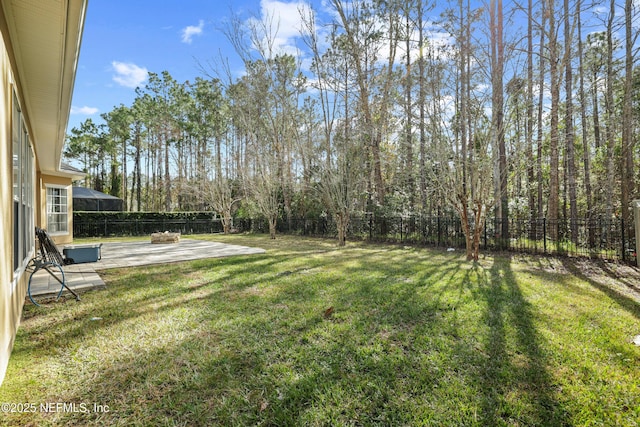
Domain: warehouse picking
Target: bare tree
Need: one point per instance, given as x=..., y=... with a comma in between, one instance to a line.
x=363, y=41
x=327, y=69
x=341, y=176
x=461, y=167
x=262, y=186
x=260, y=170
x=220, y=195
x=342, y=186
x=468, y=192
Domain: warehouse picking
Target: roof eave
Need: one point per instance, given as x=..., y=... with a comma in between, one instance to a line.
x=45, y=39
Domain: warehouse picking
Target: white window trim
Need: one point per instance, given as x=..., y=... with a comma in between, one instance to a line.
x=46, y=195
x=26, y=183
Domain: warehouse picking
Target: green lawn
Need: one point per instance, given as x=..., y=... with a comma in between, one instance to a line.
x=415, y=337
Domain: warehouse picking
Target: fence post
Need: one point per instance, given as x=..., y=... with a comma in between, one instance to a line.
x=636, y=216
x=544, y=234
x=624, y=249
x=485, y=236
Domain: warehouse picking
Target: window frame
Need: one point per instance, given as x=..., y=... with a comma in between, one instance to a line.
x=54, y=231
x=23, y=191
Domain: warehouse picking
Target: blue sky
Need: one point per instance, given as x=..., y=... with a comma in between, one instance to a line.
x=125, y=39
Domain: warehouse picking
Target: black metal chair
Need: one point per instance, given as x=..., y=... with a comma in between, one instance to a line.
x=49, y=258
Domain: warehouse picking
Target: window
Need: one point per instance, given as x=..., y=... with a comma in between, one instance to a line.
x=23, y=191
x=57, y=213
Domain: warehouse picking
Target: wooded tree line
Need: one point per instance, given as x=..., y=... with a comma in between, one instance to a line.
x=392, y=107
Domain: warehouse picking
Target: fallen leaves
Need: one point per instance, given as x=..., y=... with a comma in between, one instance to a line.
x=328, y=312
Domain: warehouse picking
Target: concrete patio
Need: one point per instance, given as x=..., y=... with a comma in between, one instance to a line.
x=130, y=254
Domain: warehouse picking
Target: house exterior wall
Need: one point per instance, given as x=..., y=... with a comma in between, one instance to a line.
x=39, y=51
x=13, y=287
x=45, y=181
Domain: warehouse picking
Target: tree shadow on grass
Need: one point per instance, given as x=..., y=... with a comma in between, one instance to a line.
x=384, y=357
x=135, y=293
x=513, y=377
x=237, y=376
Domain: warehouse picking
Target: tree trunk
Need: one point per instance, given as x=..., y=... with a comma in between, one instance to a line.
x=497, y=115
x=627, y=157
x=529, y=125
x=477, y=230
x=167, y=176
x=342, y=222
x=226, y=221
x=597, y=138
x=554, y=160
x=466, y=229
x=610, y=118
x=272, y=226
x=586, y=153
x=539, y=138
x=422, y=107
x=408, y=113
x=568, y=126
x=374, y=121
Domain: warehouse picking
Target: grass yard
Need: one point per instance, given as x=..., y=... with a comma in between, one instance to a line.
x=309, y=334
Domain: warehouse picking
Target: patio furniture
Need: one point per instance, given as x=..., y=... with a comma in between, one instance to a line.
x=49, y=258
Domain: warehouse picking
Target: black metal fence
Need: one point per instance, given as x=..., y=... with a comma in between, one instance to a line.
x=100, y=225
x=610, y=240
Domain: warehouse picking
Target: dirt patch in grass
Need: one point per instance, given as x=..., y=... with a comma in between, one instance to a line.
x=618, y=277
x=621, y=277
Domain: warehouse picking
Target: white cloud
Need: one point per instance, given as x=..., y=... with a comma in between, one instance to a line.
x=190, y=31
x=86, y=111
x=282, y=23
x=128, y=74
x=286, y=15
